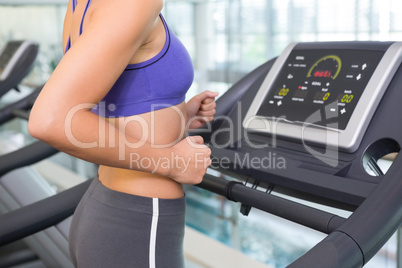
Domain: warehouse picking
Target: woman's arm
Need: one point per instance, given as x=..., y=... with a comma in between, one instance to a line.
x=62, y=113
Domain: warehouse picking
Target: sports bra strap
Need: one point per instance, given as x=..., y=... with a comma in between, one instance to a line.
x=83, y=16
x=74, y=4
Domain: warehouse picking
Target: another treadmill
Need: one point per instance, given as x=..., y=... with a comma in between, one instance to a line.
x=16, y=61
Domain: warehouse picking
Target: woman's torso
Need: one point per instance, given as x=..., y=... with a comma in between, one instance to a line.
x=165, y=127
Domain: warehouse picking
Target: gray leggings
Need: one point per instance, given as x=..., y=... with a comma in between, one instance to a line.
x=114, y=229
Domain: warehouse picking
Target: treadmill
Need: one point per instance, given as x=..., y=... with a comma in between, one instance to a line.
x=313, y=124
x=16, y=61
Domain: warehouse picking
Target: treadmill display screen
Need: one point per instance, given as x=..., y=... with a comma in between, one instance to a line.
x=309, y=81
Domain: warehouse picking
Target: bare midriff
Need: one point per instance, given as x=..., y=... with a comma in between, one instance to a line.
x=161, y=128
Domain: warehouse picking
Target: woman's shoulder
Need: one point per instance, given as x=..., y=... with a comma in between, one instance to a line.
x=133, y=8
x=133, y=19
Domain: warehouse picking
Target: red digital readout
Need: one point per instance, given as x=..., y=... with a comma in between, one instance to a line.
x=325, y=73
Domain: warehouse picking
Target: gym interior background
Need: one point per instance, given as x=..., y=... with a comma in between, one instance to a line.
x=226, y=39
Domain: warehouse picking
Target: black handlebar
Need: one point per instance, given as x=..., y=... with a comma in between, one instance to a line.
x=38, y=216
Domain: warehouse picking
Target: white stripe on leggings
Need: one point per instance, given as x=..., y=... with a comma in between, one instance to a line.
x=154, y=228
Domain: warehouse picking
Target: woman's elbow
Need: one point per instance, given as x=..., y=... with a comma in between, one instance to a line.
x=40, y=127
x=34, y=129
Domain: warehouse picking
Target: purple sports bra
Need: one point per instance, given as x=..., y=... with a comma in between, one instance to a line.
x=154, y=84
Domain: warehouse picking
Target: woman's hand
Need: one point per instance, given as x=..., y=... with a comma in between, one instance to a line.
x=190, y=160
x=201, y=109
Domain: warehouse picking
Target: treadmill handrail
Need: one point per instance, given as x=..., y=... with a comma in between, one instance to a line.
x=305, y=215
x=29, y=154
x=50, y=211
x=366, y=230
x=6, y=113
x=40, y=215
x=25, y=156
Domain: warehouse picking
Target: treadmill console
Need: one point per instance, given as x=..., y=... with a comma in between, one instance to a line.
x=323, y=95
x=10, y=56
